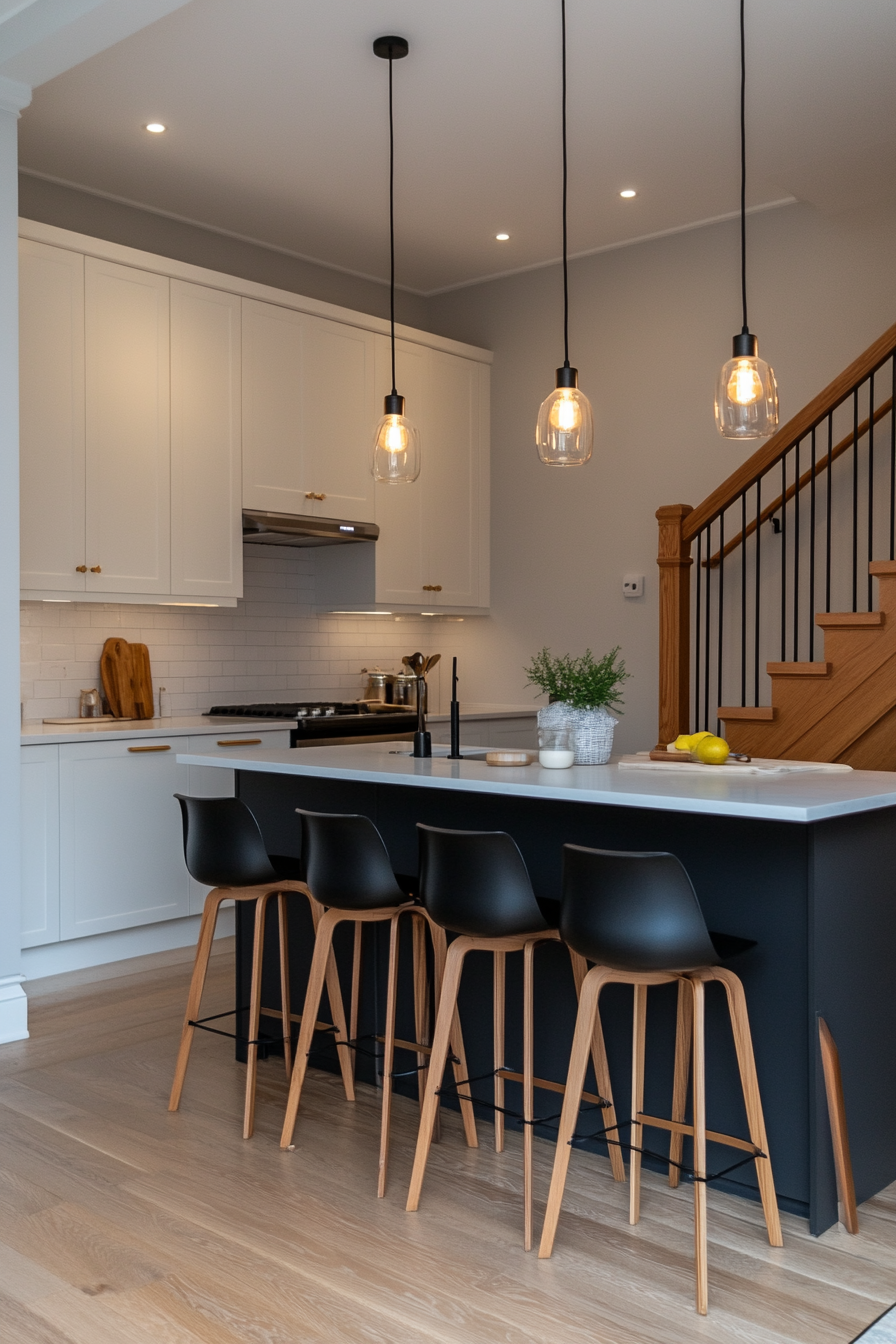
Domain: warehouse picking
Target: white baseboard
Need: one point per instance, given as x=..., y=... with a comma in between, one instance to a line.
x=13, y=1009
x=81, y=953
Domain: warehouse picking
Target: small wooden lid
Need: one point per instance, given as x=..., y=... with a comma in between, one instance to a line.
x=509, y=757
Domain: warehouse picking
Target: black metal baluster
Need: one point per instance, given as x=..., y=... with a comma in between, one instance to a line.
x=855, y=500
x=743, y=597
x=870, y=482
x=796, y=554
x=720, y=624
x=827, y=563
x=757, y=602
x=706, y=651
x=812, y=555
x=784, y=559
x=697, y=635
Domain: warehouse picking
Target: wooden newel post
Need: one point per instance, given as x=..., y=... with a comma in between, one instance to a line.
x=674, y=560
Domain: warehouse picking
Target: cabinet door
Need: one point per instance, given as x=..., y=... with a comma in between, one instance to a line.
x=51, y=380
x=40, y=845
x=450, y=478
x=274, y=469
x=206, y=781
x=400, y=553
x=338, y=418
x=128, y=431
x=121, y=848
x=206, y=470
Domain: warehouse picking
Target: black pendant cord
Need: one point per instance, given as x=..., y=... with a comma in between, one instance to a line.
x=743, y=167
x=565, y=177
x=392, y=227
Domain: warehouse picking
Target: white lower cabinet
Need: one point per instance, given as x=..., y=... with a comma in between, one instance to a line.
x=102, y=838
x=40, y=845
x=518, y=732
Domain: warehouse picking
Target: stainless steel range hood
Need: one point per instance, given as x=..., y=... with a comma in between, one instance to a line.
x=290, y=529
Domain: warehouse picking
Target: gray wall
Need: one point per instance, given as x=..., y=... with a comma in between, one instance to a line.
x=67, y=208
x=650, y=326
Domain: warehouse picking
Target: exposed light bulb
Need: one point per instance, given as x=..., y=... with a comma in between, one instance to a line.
x=393, y=435
x=744, y=385
x=564, y=435
x=396, y=445
x=565, y=413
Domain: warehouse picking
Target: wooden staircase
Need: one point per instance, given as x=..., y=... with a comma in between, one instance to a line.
x=781, y=558
x=842, y=709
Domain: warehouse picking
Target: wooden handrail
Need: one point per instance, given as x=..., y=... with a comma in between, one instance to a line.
x=821, y=465
x=749, y=472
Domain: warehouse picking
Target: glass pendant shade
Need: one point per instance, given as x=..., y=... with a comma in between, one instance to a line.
x=396, y=447
x=746, y=393
x=564, y=434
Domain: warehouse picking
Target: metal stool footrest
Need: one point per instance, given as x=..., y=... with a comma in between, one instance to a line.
x=674, y=1127
x=544, y=1084
x=414, y=1047
x=201, y=1023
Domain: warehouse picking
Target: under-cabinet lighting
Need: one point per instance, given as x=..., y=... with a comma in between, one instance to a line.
x=502, y=237
x=156, y=127
x=57, y=599
x=189, y=604
x=360, y=613
x=628, y=194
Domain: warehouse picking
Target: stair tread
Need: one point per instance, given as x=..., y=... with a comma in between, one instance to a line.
x=799, y=669
x=756, y=713
x=849, y=619
x=882, y=567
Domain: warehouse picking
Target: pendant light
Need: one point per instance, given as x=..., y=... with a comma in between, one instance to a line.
x=396, y=445
x=746, y=393
x=564, y=435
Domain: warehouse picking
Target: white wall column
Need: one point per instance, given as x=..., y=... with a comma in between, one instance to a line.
x=13, y=1003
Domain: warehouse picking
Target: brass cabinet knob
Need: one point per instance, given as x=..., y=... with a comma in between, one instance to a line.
x=80, y=569
x=310, y=494
x=96, y=569
x=432, y=587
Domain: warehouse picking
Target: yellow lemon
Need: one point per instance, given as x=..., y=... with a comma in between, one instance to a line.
x=698, y=737
x=711, y=750
x=681, y=743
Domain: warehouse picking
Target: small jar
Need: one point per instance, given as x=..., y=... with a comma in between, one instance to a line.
x=556, y=748
x=90, y=707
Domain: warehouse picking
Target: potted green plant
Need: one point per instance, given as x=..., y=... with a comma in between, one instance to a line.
x=581, y=691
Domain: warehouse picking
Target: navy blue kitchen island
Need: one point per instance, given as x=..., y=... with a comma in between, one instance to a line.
x=803, y=864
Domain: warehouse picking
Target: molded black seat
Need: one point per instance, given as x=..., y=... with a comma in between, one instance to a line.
x=636, y=912
x=345, y=862
x=476, y=883
x=223, y=846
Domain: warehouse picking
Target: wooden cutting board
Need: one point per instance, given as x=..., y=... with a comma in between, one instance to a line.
x=127, y=679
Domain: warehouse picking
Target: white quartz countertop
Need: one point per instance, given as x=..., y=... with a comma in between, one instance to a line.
x=796, y=798
x=186, y=725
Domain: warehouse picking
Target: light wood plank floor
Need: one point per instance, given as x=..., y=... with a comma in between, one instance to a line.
x=122, y=1224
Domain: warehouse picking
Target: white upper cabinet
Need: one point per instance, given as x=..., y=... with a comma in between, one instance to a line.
x=206, y=531
x=127, y=429
x=51, y=347
x=309, y=411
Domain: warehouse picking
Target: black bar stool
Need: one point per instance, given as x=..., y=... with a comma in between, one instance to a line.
x=475, y=884
x=224, y=849
x=347, y=867
x=638, y=917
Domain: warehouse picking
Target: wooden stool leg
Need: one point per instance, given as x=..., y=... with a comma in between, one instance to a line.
x=197, y=984
x=283, y=922
x=421, y=1000
x=639, y=1026
x=261, y=906
x=445, y=1018
x=572, y=1099
x=528, y=1086
x=699, y=1071
x=601, y=1069
x=746, y=1062
x=344, y=1052
x=498, y=1010
x=320, y=961
x=388, y=1054
x=356, y=989
x=683, y=1031
x=456, y=1045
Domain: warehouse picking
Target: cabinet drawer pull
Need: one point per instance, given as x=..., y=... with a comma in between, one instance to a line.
x=96, y=569
x=80, y=569
x=432, y=587
x=166, y=747
x=309, y=494
x=242, y=742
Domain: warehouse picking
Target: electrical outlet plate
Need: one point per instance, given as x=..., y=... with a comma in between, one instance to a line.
x=633, y=585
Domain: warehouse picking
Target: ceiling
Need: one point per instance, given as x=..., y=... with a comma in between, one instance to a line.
x=277, y=120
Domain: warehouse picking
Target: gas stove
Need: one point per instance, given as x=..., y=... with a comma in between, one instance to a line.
x=322, y=723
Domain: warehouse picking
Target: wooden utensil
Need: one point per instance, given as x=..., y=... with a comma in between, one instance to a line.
x=431, y=662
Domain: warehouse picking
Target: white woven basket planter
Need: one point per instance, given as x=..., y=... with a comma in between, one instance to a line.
x=593, y=730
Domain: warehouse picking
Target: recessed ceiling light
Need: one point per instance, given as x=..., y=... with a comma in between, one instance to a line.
x=156, y=127
x=502, y=237
x=628, y=194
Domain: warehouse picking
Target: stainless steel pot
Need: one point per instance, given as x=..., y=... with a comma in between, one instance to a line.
x=379, y=685
x=404, y=691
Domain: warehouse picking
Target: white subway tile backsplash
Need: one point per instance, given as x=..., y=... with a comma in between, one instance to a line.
x=271, y=647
